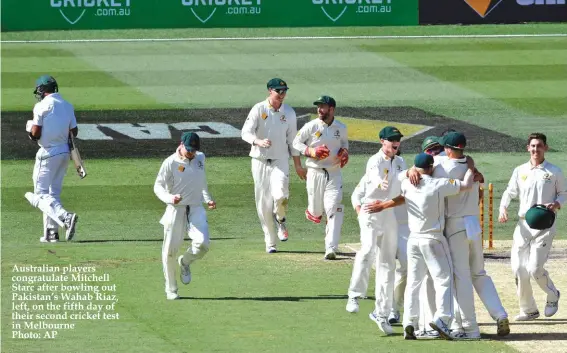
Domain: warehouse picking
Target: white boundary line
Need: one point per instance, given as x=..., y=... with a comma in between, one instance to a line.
x=203, y=39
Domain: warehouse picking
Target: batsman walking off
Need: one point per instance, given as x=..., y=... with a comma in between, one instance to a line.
x=53, y=121
x=270, y=128
x=324, y=142
x=182, y=185
x=535, y=182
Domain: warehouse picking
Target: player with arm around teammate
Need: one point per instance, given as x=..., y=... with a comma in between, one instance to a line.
x=324, y=142
x=537, y=182
x=428, y=249
x=53, y=121
x=182, y=185
x=270, y=129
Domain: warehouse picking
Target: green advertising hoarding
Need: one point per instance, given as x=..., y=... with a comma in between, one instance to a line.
x=20, y=15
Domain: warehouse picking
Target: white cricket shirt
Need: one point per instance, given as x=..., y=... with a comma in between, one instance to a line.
x=279, y=126
x=426, y=204
x=317, y=133
x=466, y=202
x=179, y=175
x=541, y=184
x=378, y=169
x=56, y=117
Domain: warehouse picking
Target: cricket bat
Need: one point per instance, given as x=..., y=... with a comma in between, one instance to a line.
x=76, y=157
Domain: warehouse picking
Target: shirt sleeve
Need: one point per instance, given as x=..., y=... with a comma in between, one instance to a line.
x=358, y=193
x=300, y=140
x=73, y=119
x=164, y=182
x=511, y=191
x=560, y=188
x=344, y=139
x=449, y=187
x=39, y=111
x=291, y=133
x=250, y=125
x=206, y=195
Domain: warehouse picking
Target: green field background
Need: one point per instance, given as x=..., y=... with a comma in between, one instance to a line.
x=243, y=300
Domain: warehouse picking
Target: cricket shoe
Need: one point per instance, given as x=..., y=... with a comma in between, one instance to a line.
x=427, y=335
x=394, y=318
x=527, y=316
x=172, y=295
x=382, y=323
x=441, y=327
x=552, y=307
x=330, y=254
x=409, y=332
x=312, y=218
x=503, y=327
x=70, y=221
x=51, y=236
x=185, y=271
x=282, y=230
x=460, y=335
x=352, y=305
x=271, y=250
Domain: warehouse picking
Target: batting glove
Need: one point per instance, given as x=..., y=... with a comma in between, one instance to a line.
x=319, y=152
x=343, y=156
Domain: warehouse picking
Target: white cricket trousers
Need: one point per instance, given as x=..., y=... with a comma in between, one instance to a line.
x=177, y=222
x=429, y=254
x=402, y=270
x=271, y=190
x=483, y=284
x=530, y=249
x=379, y=241
x=465, y=315
x=325, y=193
x=48, y=174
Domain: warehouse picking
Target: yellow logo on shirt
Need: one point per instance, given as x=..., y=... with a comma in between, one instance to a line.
x=318, y=134
x=181, y=168
x=452, y=181
x=386, y=171
x=523, y=177
x=264, y=116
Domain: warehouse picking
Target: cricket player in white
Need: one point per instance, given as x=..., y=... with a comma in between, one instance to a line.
x=182, y=185
x=378, y=231
x=324, y=142
x=400, y=281
x=428, y=249
x=53, y=121
x=534, y=182
x=270, y=128
x=463, y=232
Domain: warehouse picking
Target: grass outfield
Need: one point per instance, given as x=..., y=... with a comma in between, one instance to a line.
x=241, y=299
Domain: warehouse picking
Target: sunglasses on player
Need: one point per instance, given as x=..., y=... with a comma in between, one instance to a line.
x=281, y=90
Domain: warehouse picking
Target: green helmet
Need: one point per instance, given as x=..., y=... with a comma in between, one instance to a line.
x=44, y=85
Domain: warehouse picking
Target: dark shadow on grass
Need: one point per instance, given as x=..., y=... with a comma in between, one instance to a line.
x=524, y=336
x=139, y=240
x=533, y=322
x=272, y=299
x=301, y=252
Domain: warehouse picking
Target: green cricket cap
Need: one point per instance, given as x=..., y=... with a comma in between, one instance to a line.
x=191, y=141
x=423, y=160
x=330, y=101
x=540, y=217
x=390, y=133
x=430, y=141
x=277, y=83
x=454, y=140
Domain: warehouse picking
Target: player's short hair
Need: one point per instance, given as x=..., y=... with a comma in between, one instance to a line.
x=537, y=136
